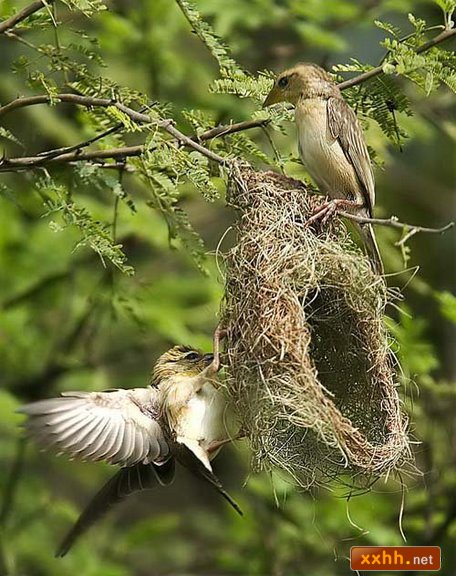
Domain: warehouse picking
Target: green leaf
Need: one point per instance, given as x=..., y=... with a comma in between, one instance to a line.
x=447, y=303
x=9, y=418
x=87, y=7
x=8, y=135
x=205, y=33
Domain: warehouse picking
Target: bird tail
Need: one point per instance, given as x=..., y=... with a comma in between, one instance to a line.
x=127, y=481
x=370, y=242
x=188, y=459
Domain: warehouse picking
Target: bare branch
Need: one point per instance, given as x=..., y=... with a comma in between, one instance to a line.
x=86, y=101
x=25, y=163
x=48, y=154
x=23, y=14
x=393, y=222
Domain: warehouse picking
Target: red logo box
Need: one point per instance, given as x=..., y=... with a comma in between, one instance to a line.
x=397, y=558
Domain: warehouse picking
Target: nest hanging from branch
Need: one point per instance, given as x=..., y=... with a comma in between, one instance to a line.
x=310, y=369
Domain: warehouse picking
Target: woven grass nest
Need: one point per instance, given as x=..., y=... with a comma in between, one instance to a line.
x=309, y=365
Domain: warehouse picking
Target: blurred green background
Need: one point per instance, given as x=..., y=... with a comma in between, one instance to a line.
x=67, y=322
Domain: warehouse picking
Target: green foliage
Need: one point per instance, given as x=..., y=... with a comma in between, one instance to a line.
x=94, y=234
x=207, y=36
x=447, y=303
x=87, y=7
x=415, y=352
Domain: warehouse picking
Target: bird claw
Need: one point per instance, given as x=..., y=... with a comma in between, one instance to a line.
x=328, y=209
x=219, y=334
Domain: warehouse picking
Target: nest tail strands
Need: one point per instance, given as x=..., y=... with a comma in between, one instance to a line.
x=310, y=369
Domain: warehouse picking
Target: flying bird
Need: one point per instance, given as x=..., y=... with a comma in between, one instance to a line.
x=179, y=416
x=331, y=145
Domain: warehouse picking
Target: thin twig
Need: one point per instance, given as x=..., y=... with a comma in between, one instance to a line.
x=224, y=130
x=18, y=38
x=393, y=222
x=48, y=154
x=71, y=154
x=14, y=20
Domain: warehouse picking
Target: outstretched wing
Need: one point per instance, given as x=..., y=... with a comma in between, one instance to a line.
x=344, y=126
x=120, y=427
x=126, y=482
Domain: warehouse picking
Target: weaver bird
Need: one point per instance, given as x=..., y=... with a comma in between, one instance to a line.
x=179, y=416
x=331, y=145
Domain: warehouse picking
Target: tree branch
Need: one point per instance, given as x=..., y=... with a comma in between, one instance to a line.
x=88, y=102
x=442, y=37
x=14, y=20
x=224, y=130
x=393, y=222
x=168, y=125
x=25, y=163
x=74, y=154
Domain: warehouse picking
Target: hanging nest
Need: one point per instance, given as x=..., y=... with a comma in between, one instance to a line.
x=309, y=365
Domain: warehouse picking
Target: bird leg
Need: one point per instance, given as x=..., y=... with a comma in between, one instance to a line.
x=219, y=335
x=329, y=208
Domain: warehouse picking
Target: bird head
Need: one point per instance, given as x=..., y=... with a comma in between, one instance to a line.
x=302, y=81
x=180, y=361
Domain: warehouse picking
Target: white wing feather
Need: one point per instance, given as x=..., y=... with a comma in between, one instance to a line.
x=120, y=427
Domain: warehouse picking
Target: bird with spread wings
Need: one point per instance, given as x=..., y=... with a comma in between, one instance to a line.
x=179, y=416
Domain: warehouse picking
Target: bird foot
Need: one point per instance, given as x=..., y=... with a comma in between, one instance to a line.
x=329, y=208
x=219, y=334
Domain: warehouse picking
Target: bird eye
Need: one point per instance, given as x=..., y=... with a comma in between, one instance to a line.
x=283, y=82
x=192, y=356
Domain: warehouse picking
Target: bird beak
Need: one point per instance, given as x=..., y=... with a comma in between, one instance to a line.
x=274, y=96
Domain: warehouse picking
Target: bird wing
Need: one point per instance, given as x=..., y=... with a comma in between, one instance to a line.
x=344, y=126
x=120, y=427
x=126, y=482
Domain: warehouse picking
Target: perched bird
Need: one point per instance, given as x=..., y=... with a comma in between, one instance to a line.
x=179, y=416
x=331, y=145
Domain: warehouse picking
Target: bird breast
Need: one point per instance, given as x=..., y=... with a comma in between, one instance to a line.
x=202, y=418
x=322, y=154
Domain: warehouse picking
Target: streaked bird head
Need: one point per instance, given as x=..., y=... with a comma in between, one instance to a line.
x=302, y=81
x=180, y=361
